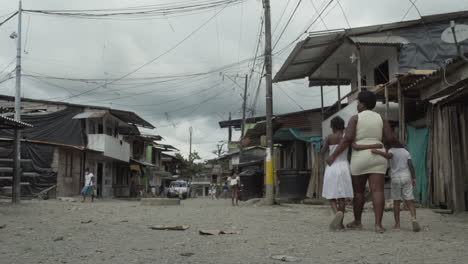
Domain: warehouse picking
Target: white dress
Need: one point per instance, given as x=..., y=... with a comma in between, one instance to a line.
x=337, y=179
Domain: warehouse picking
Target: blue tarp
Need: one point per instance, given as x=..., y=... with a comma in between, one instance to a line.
x=417, y=141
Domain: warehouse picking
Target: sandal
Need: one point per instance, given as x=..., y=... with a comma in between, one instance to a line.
x=380, y=230
x=335, y=223
x=416, y=226
x=354, y=226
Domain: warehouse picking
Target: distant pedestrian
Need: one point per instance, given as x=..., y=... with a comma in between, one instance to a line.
x=213, y=191
x=337, y=179
x=234, y=184
x=403, y=180
x=88, y=189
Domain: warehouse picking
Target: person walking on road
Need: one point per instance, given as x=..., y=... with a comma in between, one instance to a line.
x=88, y=189
x=213, y=191
x=234, y=184
x=366, y=128
x=337, y=178
x=403, y=180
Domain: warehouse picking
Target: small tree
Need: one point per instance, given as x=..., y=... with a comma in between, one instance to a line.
x=188, y=167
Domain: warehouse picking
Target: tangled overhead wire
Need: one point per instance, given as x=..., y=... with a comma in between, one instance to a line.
x=142, y=12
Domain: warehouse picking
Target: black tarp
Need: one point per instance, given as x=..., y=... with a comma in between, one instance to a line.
x=59, y=128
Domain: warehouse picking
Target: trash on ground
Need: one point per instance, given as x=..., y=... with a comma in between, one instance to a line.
x=285, y=258
x=176, y=228
x=187, y=254
x=2, y=226
x=215, y=232
x=86, y=221
x=58, y=238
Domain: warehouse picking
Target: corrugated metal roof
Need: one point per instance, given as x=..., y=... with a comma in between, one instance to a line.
x=382, y=40
x=309, y=54
x=86, y=115
x=10, y=123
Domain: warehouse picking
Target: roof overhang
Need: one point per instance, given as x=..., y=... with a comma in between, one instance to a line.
x=309, y=55
x=10, y=123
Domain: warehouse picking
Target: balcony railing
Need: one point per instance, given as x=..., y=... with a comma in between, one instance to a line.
x=110, y=146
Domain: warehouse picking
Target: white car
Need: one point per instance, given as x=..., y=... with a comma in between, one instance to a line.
x=178, y=189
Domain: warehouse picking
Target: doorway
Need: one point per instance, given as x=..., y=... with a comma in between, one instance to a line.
x=99, y=179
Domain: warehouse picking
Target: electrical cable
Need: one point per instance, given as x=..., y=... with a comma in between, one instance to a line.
x=154, y=59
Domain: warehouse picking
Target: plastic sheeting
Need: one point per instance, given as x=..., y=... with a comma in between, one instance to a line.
x=57, y=127
x=417, y=141
x=295, y=134
x=427, y=49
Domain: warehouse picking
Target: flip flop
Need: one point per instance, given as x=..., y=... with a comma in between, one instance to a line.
x=380, y=230
x=353, y=226
x=335, y=223
x=416, y=226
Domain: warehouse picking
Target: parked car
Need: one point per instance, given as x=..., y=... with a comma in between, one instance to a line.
x=179, y=189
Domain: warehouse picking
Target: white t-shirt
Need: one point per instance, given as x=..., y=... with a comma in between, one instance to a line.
x=88, y=177
x=399, y=163
x=233, y=180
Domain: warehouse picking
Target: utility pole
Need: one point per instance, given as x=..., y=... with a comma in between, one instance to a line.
x=269, y=174
x=190, y=148
x=230, y=130
x=16, y=183
x=244, y=105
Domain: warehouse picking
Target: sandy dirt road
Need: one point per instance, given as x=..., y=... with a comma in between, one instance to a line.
x=115, y=231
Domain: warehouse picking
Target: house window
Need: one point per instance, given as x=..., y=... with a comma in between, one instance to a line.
x=92, y=127
x=381, y=74
x=100, y=128
x=68, y=164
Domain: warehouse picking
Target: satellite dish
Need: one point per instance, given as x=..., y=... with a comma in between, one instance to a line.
x=461, y=31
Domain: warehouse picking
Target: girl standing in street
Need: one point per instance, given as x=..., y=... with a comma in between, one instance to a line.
x=337, y=184
x=234, y=184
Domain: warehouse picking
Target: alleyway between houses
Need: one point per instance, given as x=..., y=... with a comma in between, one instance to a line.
x=117, y=231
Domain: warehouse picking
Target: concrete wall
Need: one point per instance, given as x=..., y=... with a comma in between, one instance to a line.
x=351, y=110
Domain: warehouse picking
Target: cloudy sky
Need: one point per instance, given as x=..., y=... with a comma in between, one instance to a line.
x=178, y=71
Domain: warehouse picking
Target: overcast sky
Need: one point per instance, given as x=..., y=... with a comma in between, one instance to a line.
x=110, y=49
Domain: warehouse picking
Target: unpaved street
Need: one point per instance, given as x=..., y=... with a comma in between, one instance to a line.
x=116, y=231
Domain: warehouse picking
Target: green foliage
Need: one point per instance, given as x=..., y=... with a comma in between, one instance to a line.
x=188, y=167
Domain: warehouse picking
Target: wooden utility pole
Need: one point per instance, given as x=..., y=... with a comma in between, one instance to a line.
x=16, y=183
x=190, y=146
x=338, y=85
x=269, y=174
x=230, y=130
x=244, y=105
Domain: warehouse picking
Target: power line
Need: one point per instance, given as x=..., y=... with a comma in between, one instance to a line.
x=154, y=59
x=8, y=18
x=287, y=23
x=344, y=14
x=149, y=11
x=317, y=12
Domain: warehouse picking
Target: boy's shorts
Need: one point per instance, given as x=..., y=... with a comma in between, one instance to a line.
x=402, y=189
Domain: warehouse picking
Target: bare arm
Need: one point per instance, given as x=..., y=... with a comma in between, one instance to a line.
x=383, y=154
x=413, y=172
x=364, y=147
x=346, y=140
x=411, y=168
x=325, y=146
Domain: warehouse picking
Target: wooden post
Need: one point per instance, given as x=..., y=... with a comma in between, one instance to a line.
x=359, y=68
x=338, y=85
x=386, y=102
x=401, y=114
x=321, y=98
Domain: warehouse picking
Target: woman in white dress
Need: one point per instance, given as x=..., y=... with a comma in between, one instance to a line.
x=337, y=184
